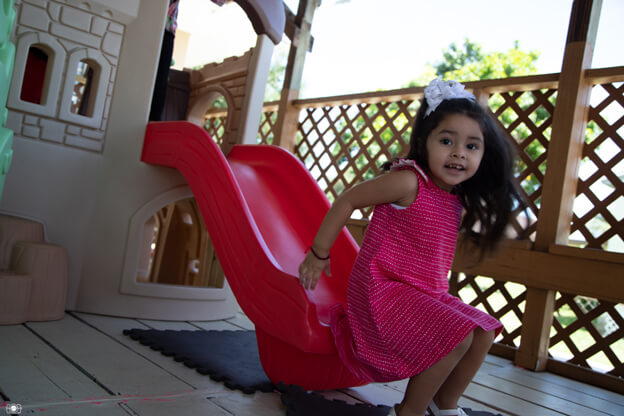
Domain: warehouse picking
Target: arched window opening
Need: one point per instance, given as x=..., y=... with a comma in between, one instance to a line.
x=215, y=118
x=176, y=248
x=35, y=75
x=82, y=93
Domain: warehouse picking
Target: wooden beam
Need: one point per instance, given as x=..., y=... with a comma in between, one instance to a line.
x=292, y=28
x=535, y=334
x=566, y=269
x=288, y=115
x=568, y=130
x=560, y=182
x=490, y=86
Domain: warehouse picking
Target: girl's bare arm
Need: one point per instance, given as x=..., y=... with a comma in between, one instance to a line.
x=400, y=187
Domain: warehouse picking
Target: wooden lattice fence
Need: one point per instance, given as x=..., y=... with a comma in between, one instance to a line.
x=344, y=140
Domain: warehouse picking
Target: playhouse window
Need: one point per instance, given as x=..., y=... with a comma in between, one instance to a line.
x=176, y=248
x=81, y=102
x=34, y=75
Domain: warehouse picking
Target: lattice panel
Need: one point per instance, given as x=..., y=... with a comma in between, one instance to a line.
x=215, y=126
x=346, y=144
x=266, y=133
x=599, y=205
x=527, y=117
x=589, y=333
x=503, y=300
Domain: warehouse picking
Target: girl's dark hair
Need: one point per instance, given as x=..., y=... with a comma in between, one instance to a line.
x=491, y=195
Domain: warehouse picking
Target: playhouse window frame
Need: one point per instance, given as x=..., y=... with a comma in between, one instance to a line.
x=48, y=102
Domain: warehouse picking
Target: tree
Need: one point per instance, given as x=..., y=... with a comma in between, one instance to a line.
x=469, y=63
x=456, y=58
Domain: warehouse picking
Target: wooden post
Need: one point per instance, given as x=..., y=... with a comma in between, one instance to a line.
x=301, y=40
x=560, y=182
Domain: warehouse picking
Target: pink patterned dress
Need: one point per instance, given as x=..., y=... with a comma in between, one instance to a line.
x=399, y=318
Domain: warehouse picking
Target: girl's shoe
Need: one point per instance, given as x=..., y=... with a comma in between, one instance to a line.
x=434, y=411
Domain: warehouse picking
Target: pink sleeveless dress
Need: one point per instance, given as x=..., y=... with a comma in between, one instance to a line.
x=399, y=318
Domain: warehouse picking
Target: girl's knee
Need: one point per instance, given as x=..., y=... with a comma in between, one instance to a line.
x=465, y=344
x=483, y=336
x=478, y=338
x=482, y=339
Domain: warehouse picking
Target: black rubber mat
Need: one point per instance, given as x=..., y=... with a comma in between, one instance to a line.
x=232, y=357
x=299, y=402
x=303, y=403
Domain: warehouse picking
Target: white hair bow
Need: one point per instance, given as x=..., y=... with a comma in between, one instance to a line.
x=438, y=91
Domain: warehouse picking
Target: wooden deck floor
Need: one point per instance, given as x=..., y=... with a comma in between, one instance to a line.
x=84, y=365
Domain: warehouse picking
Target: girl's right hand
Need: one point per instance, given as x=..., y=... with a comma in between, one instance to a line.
x=310, y=270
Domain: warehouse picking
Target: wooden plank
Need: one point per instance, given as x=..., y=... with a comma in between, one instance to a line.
x=114, y=327
x=596, y=378
x=92, y=408
x=580, y=394
x=550, y=271
x=257, y=404
x=524, y=83
x=242, y=322
x=568, y=129
x=528, y=396
x=483, y=401
x=477, y=398
x=193, y=403
x=480, y=406
x=32, y=371
x=574, y=385
x=391, y=393
x=536, y=324
x=497, y=361
x=491, y=86
x=190, y=402
x=564, y=153
x=233, y=402
x=588, y=253
x=165, y=325
x=503, y=402
x=119, y=369
x=605, y=75
x=376, y=394
x=287, y=116
x=216, y=326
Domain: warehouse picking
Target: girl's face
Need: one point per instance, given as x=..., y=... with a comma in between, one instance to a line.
x=454, y=150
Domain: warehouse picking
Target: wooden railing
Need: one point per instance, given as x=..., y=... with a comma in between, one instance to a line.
x=564, y=297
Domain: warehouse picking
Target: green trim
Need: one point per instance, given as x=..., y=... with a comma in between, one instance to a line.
x=7, y=61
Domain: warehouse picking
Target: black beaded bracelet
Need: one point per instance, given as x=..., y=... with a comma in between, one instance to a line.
x=316, y=255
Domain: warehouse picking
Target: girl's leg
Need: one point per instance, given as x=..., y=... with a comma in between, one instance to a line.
x=457, y=381
x=422, y=387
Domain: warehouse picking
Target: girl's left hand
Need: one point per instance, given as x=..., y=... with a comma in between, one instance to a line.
x=310, y=270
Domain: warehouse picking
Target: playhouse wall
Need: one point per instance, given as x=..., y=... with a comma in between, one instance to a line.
x=55, y=186
x=87, y=198
x=58, y=155
x=125, y=185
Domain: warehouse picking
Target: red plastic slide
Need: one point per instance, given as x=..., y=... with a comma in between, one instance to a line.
x=262, y=208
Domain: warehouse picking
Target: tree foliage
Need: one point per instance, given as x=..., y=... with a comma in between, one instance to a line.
x=468, y=62
x=455, y=58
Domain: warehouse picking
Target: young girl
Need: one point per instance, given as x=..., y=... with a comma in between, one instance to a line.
x=400, y=321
